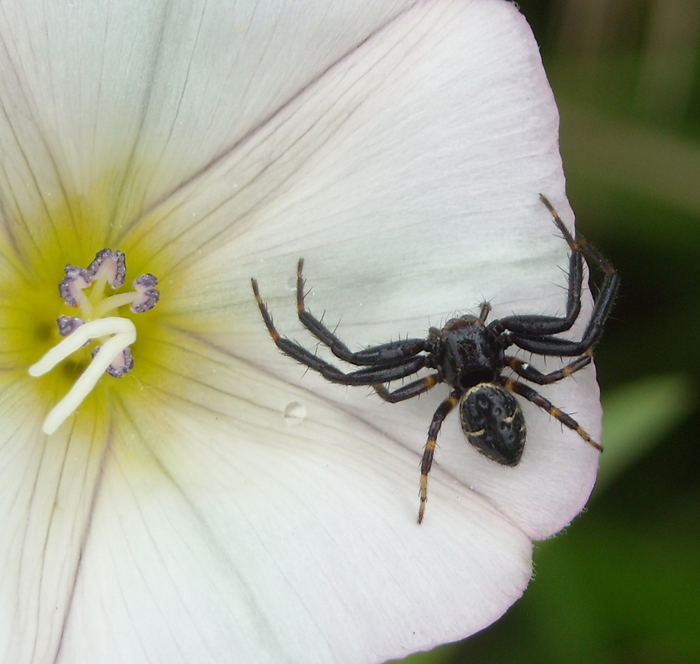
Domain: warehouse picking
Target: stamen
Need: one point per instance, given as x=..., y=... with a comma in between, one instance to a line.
x=124, y=332
x=68, y=324
x=72, y=285
x=122, y=364
x=114, y=302
x=148, y=295
x=114, y=355
x=110, y=266
x=143, y=298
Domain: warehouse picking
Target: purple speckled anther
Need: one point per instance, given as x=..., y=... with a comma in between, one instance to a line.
x=110, y=265
x=148, y=295
x=68, y=324
x=123, y=363
x=72, y=285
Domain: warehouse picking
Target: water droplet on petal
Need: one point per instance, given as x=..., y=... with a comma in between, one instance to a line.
x=294, y=413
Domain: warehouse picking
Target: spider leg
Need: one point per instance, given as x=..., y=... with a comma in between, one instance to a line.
x=426, y=464
x=594, y=328
x=591, y=335
x=408, y=391
x=539, y=325
x=539, y=401
x=484, y=311
x=527, y=371
x=527, y=329
x=557, y=347
x=383, y=373
x=384, y=353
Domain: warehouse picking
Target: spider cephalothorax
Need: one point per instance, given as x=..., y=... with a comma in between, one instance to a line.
x=469, y=355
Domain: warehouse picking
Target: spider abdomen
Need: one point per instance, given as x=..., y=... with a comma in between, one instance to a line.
x=493, y=422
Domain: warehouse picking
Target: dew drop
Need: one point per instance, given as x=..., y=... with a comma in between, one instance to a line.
x=294, y=413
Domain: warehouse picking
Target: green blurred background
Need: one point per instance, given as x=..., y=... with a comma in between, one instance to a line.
x=622, y=584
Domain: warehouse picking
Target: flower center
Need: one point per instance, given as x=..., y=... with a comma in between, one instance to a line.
x=110, y=336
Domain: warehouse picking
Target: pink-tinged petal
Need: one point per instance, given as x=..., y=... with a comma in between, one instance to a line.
x=222, y=532
x=400, y=149
x=408, y=177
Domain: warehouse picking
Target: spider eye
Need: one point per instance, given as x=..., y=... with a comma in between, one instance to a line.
x=493, y=423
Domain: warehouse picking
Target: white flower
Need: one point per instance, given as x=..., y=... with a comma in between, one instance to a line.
x=218, y=503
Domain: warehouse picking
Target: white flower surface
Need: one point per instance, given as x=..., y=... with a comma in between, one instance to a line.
x=220, y=503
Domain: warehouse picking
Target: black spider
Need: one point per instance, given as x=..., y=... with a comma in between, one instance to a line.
x=469, y=356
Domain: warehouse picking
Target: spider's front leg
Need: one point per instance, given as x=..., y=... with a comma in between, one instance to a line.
x=388, y=353
x=535, y=338
x=369, y=375
x=533, y=333
x=535, y=325
x=409, y=391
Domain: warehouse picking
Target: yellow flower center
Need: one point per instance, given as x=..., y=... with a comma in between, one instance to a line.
x=84, y=290
x=40, y=329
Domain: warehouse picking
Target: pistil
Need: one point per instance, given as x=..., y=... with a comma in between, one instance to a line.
x=124, y=334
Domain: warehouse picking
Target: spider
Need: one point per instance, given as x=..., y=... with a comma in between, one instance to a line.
x=469, y=355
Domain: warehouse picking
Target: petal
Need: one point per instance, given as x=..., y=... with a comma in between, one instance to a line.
x=128, y=100
x=426, y=129
x=48, y=486
x=407, y=175
x=224, y=533
x=408, y=178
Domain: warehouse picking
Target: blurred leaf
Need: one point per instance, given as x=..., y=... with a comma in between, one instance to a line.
x=638, y=415
x=607, y=591
x=633, y=157
x=610, y=591
x=440, y=655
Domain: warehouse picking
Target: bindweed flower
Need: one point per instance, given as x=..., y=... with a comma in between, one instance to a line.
x=209, y=501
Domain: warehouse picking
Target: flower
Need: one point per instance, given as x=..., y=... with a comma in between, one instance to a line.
x=216, y=503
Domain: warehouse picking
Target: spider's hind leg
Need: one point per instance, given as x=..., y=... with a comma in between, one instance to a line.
x=443, y=410
x=527, y=371
x=535, y=397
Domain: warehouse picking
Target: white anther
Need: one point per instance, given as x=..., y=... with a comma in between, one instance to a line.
x=124, y=334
